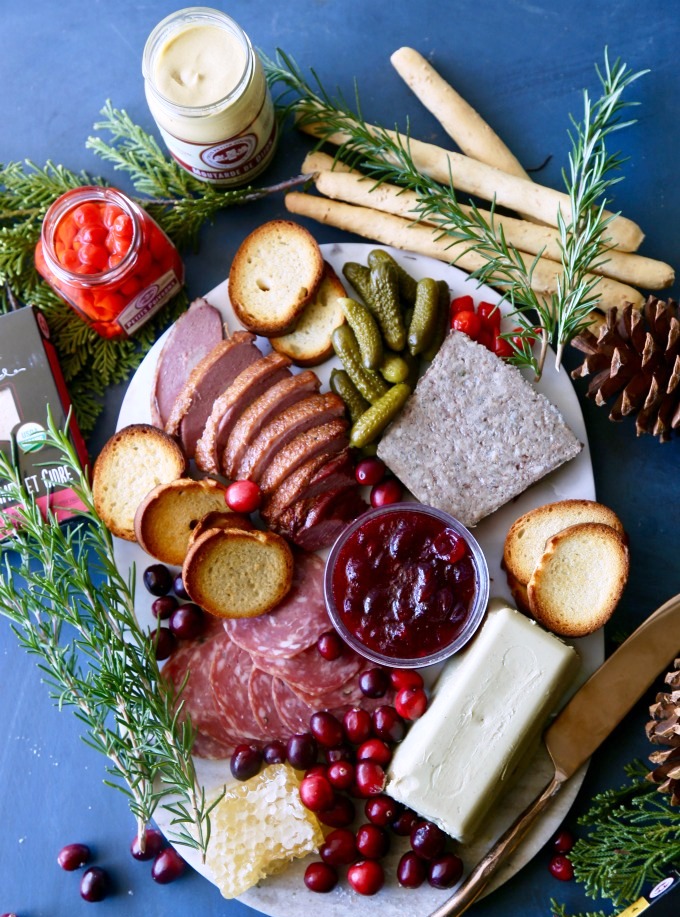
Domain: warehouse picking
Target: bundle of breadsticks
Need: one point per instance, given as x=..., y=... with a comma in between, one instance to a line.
x=485, y=169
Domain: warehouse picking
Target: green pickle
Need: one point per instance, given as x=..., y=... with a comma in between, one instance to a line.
x=394, y=367
x=360, y=278
x=366, y=332
x=369, y=382
x=386, y=305
x=343, y=386
x=407, y=285
x=423, y=324
x=442, y=325
x=373, y=421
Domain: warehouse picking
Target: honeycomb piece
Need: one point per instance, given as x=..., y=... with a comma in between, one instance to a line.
x=258, y=827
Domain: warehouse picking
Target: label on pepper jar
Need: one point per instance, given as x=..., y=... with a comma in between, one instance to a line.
x=148, y=302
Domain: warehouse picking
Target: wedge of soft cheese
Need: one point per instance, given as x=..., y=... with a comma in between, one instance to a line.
x=489, y=707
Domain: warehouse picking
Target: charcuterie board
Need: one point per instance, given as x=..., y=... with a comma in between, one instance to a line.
x=284, y=894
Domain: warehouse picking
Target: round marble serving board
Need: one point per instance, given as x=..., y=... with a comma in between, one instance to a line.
x=285, y=895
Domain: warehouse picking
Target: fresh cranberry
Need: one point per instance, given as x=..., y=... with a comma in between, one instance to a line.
x=317, y=770
x=187, y=621
x=366, y=877
x=370, y=778
x=320, y=877
x=445, y=870
x=157, y=579
x=167, y=866
x=386, y=492
x=387, y=724
x=563, y=841
x=316, y=793
x=330, y=645
x=340, y=815
x=341, y=775
x=246, y=762
x=370, y=471
x=163, y=606
x=326, y=729
x=427, y=840
x=411, y=870
x=374, y=682
x=342, y=752
x=73, y=856
x=404, y=823
x=274, y=753
x=153, y=844
x=406, y=678
x=243, y=496
x=339, y=848
x=560, y=867
x=373, y=842
x=357, y=724
x=302, y=750
x=411, y=703
x=382, y=810
x=375, y=750
x=94, y=884
x=163, y=641
x=178, y=587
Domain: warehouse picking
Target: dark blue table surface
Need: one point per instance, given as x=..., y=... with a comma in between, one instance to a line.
x=523, y=65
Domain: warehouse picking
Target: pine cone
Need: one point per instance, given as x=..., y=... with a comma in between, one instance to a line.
x=664, y=729
x=636, y=357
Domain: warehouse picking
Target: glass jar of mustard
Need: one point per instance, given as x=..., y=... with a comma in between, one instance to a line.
x=108, y=259
x=207, y=92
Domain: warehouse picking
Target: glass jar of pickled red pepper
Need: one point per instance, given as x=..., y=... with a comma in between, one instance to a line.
x=108, y=259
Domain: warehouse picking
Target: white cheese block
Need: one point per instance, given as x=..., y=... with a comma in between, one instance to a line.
x=489, y=707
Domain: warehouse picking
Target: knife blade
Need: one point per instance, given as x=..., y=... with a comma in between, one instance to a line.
x=581, y=727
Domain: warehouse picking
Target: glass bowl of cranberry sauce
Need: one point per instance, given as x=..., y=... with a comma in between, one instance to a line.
x=406, y=585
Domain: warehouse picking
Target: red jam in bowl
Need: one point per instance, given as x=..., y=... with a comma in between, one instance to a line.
x=406, y=585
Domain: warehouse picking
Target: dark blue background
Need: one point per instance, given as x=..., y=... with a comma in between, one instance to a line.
x=523, y=64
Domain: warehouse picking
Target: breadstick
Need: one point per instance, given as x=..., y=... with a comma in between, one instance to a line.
x=416, y=237
x=354, y=188
x=477, y=178
x=458, y=118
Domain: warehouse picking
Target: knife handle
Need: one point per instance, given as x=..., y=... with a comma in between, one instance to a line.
x=476, y=882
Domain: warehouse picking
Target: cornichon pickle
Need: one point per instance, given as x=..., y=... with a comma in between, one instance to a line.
x=365, y=331
x=368, y=381
x=386, y=305
x=360, y=278
x=407, y=285
x=343, y=386
x=394, y=367
x=425, y=314
x=371, y=424
x=442, y=325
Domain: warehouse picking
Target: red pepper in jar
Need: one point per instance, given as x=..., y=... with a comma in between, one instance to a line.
x=108, y=259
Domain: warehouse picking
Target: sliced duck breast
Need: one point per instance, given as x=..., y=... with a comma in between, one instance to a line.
x=274, y=400
x=316, y=522
x=330, y=438
x=191, y=338
x=246, y=387
x=324, y=471
x=313, y=411
x=207, y=381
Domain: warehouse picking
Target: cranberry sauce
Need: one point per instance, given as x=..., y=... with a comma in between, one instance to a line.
x=404, y=583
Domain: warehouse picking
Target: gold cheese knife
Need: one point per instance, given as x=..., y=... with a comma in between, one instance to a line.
x=584, y=723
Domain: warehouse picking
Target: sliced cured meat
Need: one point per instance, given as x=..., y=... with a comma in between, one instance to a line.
x=293, y=712
x=315, y=523
x=263, y=706
x=276, y=399
x=323, y=472
x=329, y=437
x=191, y=338
x=229, y=677
x=295, y=624
x=309, y=672
x=347, y=695
x=246, y=387
x=207, y=381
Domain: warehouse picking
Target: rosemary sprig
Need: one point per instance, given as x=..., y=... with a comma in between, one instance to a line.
x=386, y=156
x=70, y=607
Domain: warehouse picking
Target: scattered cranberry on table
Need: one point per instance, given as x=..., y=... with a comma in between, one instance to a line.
x=406, y=678
x=167, y=866
x=366, y=877
x=330, y=645
x=246, y=761
x=94, y=884
x=320, y=877
x=341, y=775
x=316, y=793
x=340, y=815
x=164, y=642
x=411, y=703
x=274, y=752
x=370, y=778
x=427, y=840
x=373, y=842
x=163, y=606
x=357, y=725
x=387, y=724
x=374, y=682
x=342, y=752
x=326, y=729
x=73, y=856
x=178, y=587
x=405, y=822
x=445, y=870
x=339, y=848
x=411, y=870
x=157, y=579
x=370, y=471
x=375, y=750
x=153, y=844
x=243, y=496
x=563, y=841
x=382, y=810
x=187, y=621
x=302, y=750
x=560, y=867
x=386, y=492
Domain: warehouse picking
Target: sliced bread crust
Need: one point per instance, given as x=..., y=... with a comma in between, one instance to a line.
x=133, y=462
x=276, y=271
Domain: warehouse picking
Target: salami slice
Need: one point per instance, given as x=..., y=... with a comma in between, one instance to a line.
x=293, y=712
x=229, y=677
x=309, y=672
x=295, y=624
x=262, y=704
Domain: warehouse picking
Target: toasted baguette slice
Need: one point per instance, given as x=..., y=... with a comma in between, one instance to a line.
x=527, y=537
x=232, y=573
x=134, y=461
x=220, y=519
x=579, y=579
x=276, y=271
x=519, y=593
x=310, y=343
